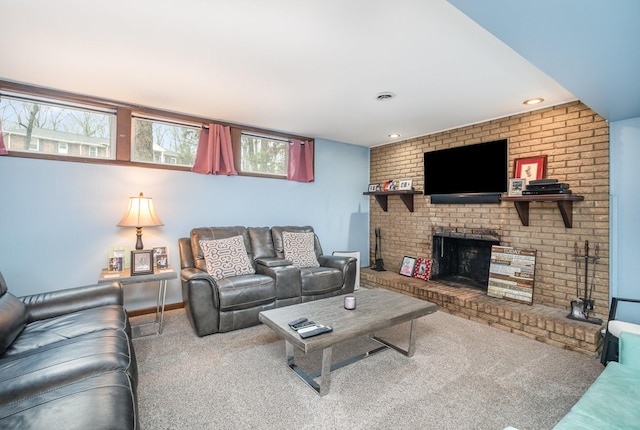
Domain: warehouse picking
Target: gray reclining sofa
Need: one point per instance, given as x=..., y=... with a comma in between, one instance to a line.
x=223, y=291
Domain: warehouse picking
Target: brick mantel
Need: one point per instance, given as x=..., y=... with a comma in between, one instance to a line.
x=576, y=142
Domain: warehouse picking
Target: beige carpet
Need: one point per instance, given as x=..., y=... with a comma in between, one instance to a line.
x=464, y=375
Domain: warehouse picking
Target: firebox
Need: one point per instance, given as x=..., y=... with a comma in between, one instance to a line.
x=462, y=259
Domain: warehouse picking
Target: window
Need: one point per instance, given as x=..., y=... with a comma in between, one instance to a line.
x=263, y=155
x=51, y=124
x=163, y=142
x=51, y=128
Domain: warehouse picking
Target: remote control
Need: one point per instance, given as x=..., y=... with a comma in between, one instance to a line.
x=296, y=322
x=303, y=325
x=309, y=328
x=315, y=331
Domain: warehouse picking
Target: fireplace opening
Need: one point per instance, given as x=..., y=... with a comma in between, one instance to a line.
x=462, y=259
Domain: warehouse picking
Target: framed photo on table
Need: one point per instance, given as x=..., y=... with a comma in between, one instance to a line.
x=160, y=251
x=115, y=264
x=530, y=168
x=142, y=262
x=408, y=263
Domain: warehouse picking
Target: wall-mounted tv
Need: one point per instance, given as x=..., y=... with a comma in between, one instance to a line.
x=466, y=174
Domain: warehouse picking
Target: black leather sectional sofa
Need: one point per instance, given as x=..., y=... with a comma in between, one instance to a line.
x=67, y=360
x=234, y=302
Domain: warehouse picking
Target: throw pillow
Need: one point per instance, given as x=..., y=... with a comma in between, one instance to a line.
x=300, y=249
x=226, y=257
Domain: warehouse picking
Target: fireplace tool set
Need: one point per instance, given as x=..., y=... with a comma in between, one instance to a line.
x=379, y=266
x=581, y=306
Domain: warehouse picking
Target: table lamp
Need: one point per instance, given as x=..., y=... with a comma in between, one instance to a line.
x=140, y=213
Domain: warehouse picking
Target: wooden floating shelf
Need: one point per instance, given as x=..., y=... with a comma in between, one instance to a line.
x=405, y=195
x=565, y=204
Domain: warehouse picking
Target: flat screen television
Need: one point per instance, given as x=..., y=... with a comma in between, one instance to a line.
x=467, y=172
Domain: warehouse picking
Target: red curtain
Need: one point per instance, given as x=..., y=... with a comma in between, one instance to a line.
x=3, y=149
x=215, y=154
x=300, y=161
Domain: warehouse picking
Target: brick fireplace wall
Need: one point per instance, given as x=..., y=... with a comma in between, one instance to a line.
x=576, y=142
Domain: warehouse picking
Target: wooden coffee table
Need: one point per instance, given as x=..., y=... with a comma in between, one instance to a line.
x=376, y=309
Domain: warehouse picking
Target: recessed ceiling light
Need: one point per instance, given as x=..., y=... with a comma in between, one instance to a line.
x=394, y=135
x=533, y=101
x=384, y=96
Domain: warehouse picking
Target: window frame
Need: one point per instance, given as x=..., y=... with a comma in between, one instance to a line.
x=125, y=112
x=236, y=142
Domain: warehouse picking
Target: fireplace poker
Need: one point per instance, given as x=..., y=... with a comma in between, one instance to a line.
x=589, y=303
x=586, y=276
x=576, y=255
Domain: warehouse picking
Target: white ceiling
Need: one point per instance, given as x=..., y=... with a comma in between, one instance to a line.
x=310, y=68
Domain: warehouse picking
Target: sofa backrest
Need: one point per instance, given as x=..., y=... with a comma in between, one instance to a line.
x=278, y=244
x=261, y=242
x=13, y=316
x=210, y=233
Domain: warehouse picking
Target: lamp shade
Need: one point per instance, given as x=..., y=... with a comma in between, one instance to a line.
x=140, y=213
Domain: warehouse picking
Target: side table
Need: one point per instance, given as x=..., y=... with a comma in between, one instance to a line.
x=125, y=278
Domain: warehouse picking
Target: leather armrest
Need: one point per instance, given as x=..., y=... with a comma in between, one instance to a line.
x=335, y=261
x=273, y=261
x=192, y=273
x=60, y=302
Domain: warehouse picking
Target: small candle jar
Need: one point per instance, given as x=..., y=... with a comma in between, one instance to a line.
x=350, y=302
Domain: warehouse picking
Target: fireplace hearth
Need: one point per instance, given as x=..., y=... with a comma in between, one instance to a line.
x=462, y=259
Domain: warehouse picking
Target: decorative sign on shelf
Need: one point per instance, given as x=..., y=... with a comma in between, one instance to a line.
x=512, y=273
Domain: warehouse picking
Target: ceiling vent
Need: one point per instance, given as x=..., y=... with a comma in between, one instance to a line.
x=384, y=96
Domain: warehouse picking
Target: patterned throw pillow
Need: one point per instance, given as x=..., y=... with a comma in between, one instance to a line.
x=226, y=257
x=299, y=248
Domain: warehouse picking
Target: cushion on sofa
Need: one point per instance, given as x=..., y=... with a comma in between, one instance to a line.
x=630, y=349
x=58, y=364
x=320, y=280
x=46, y=332
x=246, y=292
x=300, y=249
x=13, y=318
x=609, y=403
x=226, y=257
x=105, y=400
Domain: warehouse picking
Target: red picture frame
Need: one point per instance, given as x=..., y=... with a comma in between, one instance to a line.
x=530, y=168
x=422, y=269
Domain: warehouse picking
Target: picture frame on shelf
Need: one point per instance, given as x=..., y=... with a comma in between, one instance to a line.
x=142, y=262
x=160, y=250
x=516, y=186
x=388, y=185
x=422, y=268
x=405, y=184
x=530, y=168
x=408, y=264
x=374, y=187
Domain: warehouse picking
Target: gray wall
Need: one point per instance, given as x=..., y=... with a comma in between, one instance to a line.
x=58, y=219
